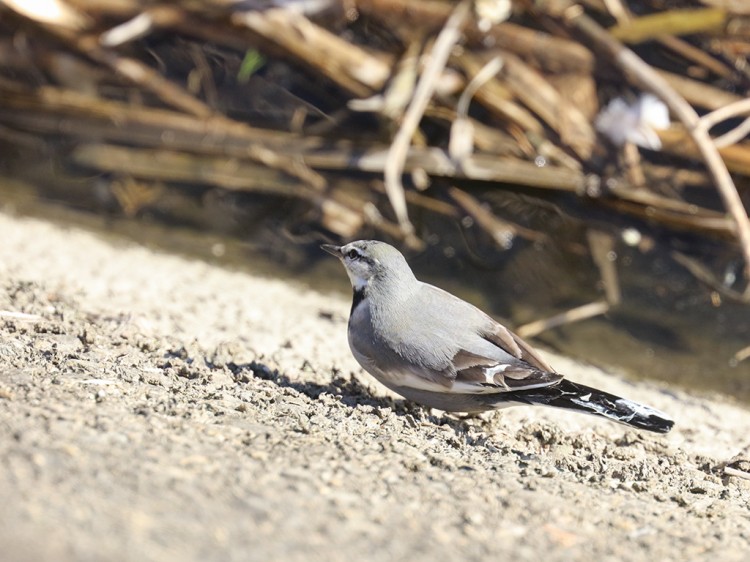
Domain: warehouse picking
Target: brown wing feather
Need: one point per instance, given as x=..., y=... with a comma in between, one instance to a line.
x=513, y=344
x=530, y=372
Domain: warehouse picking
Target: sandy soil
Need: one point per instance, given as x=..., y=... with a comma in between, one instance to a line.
x=158, y=408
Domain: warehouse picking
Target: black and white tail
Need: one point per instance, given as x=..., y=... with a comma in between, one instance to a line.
x=580, y=398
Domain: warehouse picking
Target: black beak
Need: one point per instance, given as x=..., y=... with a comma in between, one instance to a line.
x=331, y=249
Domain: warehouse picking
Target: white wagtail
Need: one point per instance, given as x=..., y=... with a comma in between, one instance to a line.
x=442, y=352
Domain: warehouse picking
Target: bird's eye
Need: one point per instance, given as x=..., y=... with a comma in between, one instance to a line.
x=352, y=254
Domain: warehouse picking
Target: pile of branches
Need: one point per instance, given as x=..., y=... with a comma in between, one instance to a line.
x=368, y=109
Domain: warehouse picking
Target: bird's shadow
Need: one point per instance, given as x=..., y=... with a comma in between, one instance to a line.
x=350, y=392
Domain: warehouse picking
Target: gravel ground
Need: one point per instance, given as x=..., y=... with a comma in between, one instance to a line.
x=158, y=408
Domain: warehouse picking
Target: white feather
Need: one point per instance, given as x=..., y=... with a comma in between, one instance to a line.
x=636, y=122
x=357, y=281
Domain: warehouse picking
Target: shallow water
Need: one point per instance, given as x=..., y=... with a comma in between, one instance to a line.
x=668, y=326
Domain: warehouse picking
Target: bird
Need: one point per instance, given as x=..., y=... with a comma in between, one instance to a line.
x=442, y=352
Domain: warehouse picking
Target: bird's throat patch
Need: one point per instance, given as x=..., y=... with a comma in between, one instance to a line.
x=359, y=296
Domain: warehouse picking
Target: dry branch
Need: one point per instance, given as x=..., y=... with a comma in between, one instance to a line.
x=398, y=151
x=646, y=77
x=568, y=317
x=90, y=78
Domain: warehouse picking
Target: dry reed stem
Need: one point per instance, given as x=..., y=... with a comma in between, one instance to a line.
x=398, y=151
x=501, y=231
x=710, y=120
x=568, y=317
x=602, y=245
x=350, y=66
x=703, y=274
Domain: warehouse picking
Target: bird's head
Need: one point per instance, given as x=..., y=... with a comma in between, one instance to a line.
x=371, y=261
